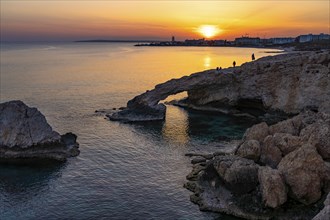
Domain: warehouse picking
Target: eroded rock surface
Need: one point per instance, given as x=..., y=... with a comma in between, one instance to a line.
x=273, y=189
x=239, y=174
x=287, y=83
x=250, y=149
x=25, y=133
x=304, y=171
x=293, y=188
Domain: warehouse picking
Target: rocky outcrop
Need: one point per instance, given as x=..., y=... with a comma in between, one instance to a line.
x=286, y=176
x=304, y=172
x=271, y=155
x=285, y=83
x=318, y=134
x=250, y=149
x=25, y=133
x=238, y=174
x=257, y=132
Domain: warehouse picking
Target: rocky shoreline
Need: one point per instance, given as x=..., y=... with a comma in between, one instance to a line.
x=280, y=171
x=25, y=134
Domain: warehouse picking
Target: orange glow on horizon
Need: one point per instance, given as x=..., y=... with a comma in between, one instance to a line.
x=159, y=20
x=209, y=31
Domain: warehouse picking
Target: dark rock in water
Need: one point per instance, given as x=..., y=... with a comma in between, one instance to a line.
x=69, y=138
x=136, y=112
x=25, y=133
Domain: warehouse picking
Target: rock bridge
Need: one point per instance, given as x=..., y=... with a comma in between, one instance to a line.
x=146, y=107
x=286, y=82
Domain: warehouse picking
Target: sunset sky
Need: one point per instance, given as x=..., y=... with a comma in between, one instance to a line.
x=159, y=20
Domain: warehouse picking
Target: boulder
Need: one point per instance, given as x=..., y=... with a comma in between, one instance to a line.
x=304, y=172
x=273, y=189
x=22, y=126
x=240, y=175
x=250, y=149
x=25, y=133
x=290, y=126
x=257, y=132
x=286, y=142
x=270, y=154
x=318, y=135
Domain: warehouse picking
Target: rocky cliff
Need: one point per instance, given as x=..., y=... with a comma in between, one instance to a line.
x=25, y=133
x=284, y=83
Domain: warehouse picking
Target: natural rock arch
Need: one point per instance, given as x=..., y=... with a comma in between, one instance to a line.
x=287, y=83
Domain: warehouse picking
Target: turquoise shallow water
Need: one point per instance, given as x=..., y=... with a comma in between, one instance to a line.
x=124, y=171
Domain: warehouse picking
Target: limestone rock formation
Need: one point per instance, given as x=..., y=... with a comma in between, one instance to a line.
x=250, y=149
x=304, y=171
x=25, y=133
x=270, y=154
x=240, y=175
x=285, y=83
x=290, y=126
x=272, y=186
x=296, y=149
x=286, y=142
x=257, y=132
x=318, y=134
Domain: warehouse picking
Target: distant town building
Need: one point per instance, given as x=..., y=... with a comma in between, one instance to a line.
x=266, y=41
x=220, y=42
x=282, y=40
x=195, y=42
x=312, y=37
x=246, y=41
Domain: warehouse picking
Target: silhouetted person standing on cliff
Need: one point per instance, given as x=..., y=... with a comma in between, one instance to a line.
x=234, y=63
x=253, y=58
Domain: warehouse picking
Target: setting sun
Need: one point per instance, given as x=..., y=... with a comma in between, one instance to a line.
x=208, y=31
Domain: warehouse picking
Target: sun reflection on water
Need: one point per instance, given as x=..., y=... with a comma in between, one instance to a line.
x=207, y=62
x=176, y=126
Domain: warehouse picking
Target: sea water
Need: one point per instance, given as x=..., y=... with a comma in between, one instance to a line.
x=124, y=171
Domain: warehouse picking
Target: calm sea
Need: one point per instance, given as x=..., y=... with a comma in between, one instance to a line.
x=124, y=171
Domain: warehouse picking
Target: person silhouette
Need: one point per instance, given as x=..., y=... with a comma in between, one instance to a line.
x=253, y=58
x=234, y=63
